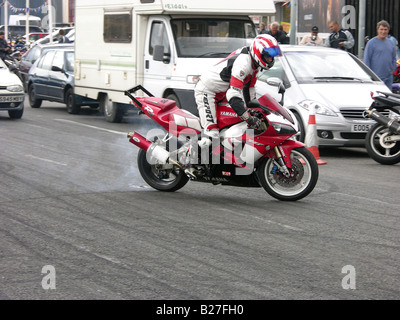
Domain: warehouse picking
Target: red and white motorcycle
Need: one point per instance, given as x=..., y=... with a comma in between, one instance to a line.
x=268, y=158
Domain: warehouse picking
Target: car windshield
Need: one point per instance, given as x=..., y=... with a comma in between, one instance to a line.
x=2, y=65
x=327, y=66
x=211, y=37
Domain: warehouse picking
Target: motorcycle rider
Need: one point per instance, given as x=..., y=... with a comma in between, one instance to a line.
x=4, y=47
x=233, y=80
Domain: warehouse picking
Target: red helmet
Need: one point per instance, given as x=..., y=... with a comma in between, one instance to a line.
x=263, y=46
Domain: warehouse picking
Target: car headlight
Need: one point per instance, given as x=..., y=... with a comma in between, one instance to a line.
x=319, y=108
x=15, y=88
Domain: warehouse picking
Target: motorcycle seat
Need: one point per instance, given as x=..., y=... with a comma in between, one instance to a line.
x=162, y=103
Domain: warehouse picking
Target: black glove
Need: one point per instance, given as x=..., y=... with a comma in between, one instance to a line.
x=253, y=122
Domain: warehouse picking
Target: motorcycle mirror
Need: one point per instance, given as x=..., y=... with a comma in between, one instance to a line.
x=276, y=82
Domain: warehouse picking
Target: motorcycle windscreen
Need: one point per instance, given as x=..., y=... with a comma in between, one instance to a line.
x=270, y=103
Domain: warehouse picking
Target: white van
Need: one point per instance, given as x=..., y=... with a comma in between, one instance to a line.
x=163, y=45
x=20, y=20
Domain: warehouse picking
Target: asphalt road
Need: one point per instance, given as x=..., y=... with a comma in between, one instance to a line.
x=78, y=222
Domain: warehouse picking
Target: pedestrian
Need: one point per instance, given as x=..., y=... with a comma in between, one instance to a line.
x=263, y=28
x=339, y=38
x=62, y=37
x=233, y=80
x=4, y=47
x=380, y=54
x=279, y=35
x=312, y=39
x=396, y=44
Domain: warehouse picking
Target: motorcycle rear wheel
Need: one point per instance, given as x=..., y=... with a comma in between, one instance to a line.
x=388, y=154
x=303, y=179
x=159, y=177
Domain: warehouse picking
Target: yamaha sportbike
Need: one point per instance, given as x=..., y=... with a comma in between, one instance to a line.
x=383, y=139
x=268, y=157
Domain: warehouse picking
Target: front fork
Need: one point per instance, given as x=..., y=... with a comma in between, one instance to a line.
x=280, y=162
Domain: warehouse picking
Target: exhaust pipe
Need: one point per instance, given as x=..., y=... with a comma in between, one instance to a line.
x=154, y=151
x=392, y=124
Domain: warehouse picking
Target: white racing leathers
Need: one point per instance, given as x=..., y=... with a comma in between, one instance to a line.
x=227, y=80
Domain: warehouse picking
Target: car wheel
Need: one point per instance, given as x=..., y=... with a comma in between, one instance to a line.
x=33, y=101
x=72, y=107
x=301, y=135
x=16, y=114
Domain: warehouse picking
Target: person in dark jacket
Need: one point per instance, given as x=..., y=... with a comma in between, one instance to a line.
x=4, y=47
x=63, y=38
x=339, y=38
x=279, y=35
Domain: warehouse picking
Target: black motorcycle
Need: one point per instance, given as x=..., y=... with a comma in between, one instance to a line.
x=383, y=139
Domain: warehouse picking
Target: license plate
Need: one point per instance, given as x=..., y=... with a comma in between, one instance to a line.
x=360, y=127
x=11, y=98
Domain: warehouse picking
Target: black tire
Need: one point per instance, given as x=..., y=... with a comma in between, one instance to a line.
x=304, y=179
x=70, y=102
x=113, y=112
x=301, y=136
x=172, y=96
x=16, y=114
x=33, y=101
x=388, y=155
x=169, y=181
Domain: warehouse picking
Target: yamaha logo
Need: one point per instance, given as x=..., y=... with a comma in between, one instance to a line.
x=229, y=114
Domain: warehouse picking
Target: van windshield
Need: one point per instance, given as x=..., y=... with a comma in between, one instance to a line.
x=211, y=38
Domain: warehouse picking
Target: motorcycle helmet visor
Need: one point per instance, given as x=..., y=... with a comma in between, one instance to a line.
x=272, y=52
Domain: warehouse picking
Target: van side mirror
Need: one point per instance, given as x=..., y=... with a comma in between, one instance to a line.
x=158, y=54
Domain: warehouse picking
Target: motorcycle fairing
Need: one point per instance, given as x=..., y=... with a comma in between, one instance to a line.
x=285, y=150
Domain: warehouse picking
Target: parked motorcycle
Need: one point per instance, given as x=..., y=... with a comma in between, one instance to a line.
x=268, y=158
x=383, y=139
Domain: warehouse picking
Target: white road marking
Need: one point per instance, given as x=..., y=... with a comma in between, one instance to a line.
x=46, y=160
x=90, y=126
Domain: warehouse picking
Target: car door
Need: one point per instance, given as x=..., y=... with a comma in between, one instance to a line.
x=57, y=76
x=40, y=75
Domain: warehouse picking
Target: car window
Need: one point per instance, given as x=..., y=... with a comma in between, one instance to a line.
x=34, y=54
x=47, y=60
x=316, y=66
x=69, y=62
x=275, y=72
x=58, y=60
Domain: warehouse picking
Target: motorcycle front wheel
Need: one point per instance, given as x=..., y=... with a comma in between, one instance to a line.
x=379, y=146
x=302, y=180
x=167, y=178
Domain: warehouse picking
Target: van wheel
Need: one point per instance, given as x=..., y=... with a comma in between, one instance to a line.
x=113, y=112
x=72, y=107
x=175, y=98
x=33, y=101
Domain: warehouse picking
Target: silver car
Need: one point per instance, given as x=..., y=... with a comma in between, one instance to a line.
x=336, y=83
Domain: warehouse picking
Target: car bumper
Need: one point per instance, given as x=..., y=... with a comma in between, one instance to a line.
x=12, y=102
x=346, y=134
